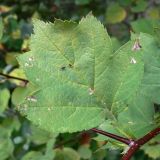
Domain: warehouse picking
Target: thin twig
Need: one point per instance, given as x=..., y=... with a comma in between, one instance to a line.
x=12, y=77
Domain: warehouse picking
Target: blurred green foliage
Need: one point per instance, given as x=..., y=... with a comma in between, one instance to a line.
x=18, y=138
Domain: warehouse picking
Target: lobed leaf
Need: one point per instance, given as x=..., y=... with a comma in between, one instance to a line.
x=80, y=80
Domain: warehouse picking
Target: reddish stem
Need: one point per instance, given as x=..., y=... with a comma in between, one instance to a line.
x=113, y=136
x=134, y=144
x=138, y=143
x=133, y=148
x=148, y=136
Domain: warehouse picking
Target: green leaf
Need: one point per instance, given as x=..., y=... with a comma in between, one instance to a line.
x=151, y=84
x=115, y=43
x=12, y=124
x=138, y=117
x=82, y=2
x=139, y=6
x=157, y=32
x=136, y=121
x=50, y=153
x=39, y=136
x=115, y=13
x=4, y=98
x=125, y=3
x=154, y=13
x=124, y=75
x=85, y=152
x=140, y=26
x=153, y=151
x=70, y=74
x=48, y=139
x=1, y=28
x=20, y=93
x=66, y=154
x=17, y=73
x=33, y=155
x=101, y=154
x=152, y=148
x=6, y=145
x=11, y=59
x=78, y=75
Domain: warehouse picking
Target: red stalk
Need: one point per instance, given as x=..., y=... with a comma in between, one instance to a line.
x=134, y=144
